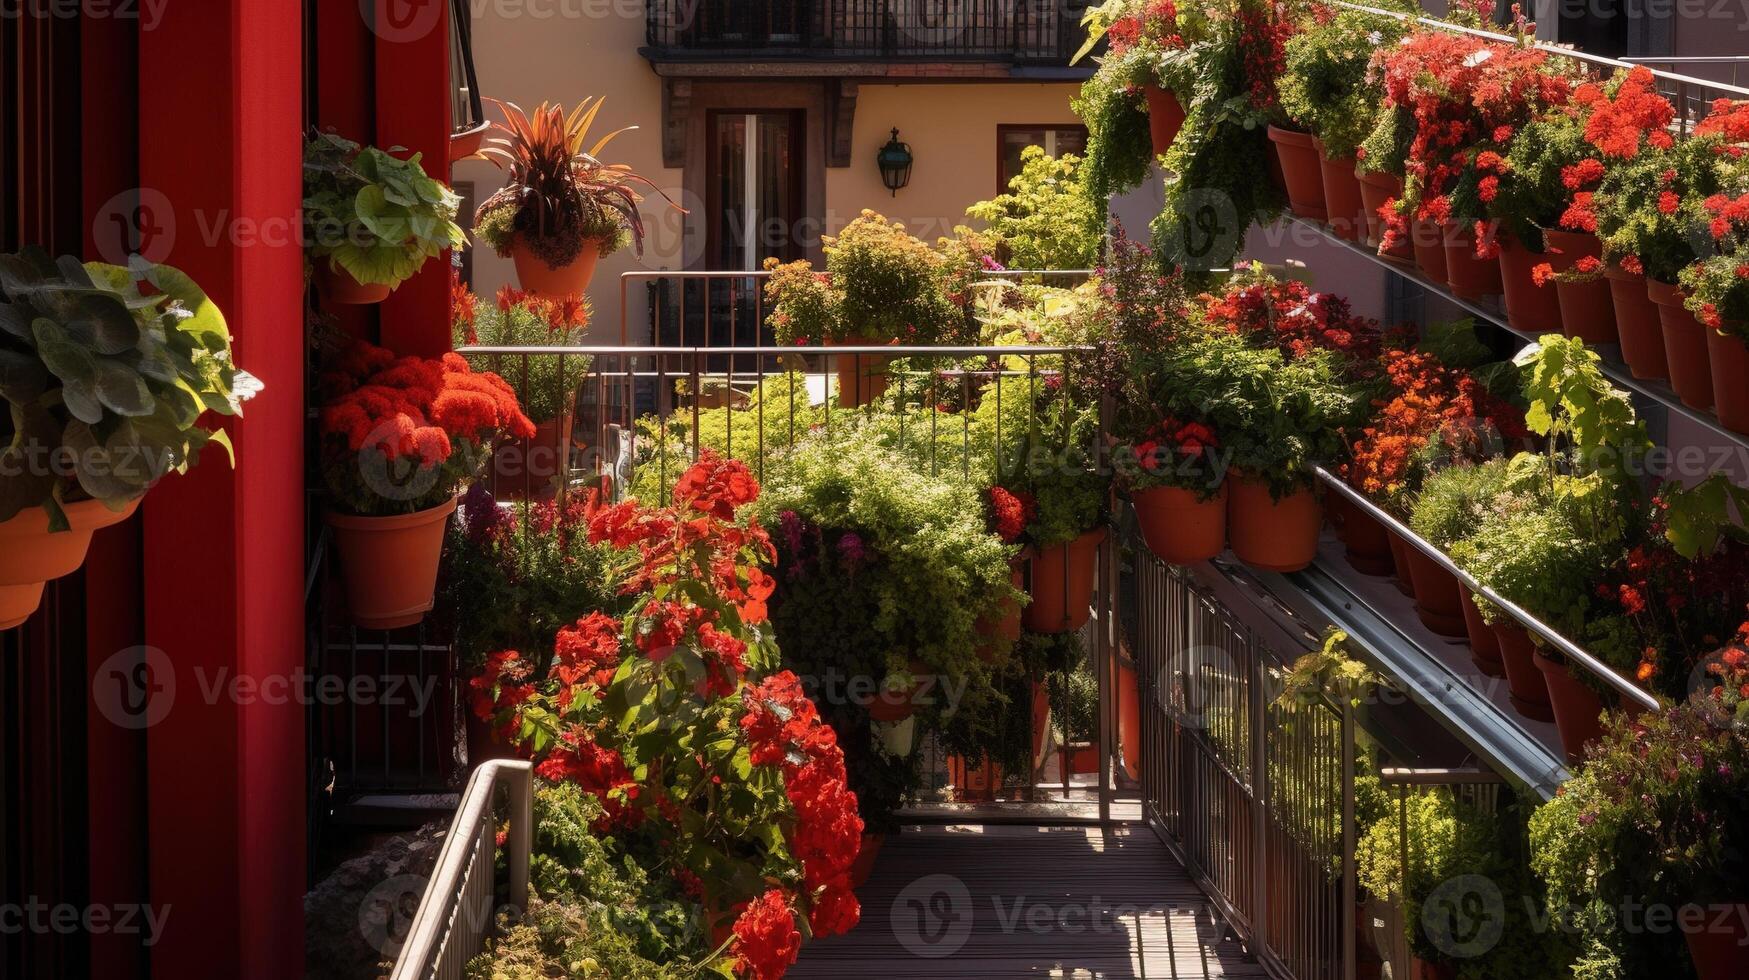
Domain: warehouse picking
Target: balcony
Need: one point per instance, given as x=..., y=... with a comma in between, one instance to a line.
x=869, y=37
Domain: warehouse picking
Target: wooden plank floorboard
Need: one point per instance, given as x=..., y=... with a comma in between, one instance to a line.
x=954, y=903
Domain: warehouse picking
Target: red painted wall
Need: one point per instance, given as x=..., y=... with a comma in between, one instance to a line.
x=220, y=120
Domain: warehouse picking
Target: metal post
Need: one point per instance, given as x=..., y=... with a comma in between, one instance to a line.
x=1349, y=843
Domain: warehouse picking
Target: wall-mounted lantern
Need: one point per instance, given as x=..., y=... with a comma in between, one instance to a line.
x=895, y=163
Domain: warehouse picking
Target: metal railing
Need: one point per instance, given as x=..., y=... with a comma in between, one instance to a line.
x=1256, y=798
x=458, y=910
x=1046, y=32
x=1691, y=96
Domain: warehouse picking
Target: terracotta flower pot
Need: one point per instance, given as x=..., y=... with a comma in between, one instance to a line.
x=1376, y=190
x=1719, y=946
x=570, y=279
x=389, y=564
x=1427, y=241
x=1484, y=645
x=864, y=864
x=1530, y=693
x=896, y=705
x=1587, y=312
x=1436, y=594
x=1468, y=276
x=1274, y=535
x=862, y=378
x=1529, y=308
x=1636, y=324
x=1165, y=117
x=1300, y=171
x=336, y=285
x=1345, y=211
x=1400, y=574
x=1365, y=542
x=1577, y=708
x=532, y=467
x=1082, y=757
x=1730, y=367
x=1129, y=713
x=1179, y=527
x=1001, y=632
x=1062, y=585
x=33, y=555
x=1685, y=346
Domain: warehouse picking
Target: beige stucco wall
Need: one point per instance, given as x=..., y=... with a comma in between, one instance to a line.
x=952, y=132
x=525, y=52
x=529, y=50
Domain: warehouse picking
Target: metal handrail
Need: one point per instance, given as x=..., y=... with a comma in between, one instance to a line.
x=447, y=931
x=1553, y=49
x=1621, y=685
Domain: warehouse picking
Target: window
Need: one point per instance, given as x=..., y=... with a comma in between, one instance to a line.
x=1056, y=140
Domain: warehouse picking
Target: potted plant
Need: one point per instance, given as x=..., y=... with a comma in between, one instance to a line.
x=1150, y=46
x=371, y=219
x=1380, y=162
x=1651, y=822
x=1178, y=487
x=1275, y=415
x=881, y=286
x=106, y=388
x=1326, y=85
x=399, y=435
x=1647, y=211
x=1045, y=436
x=561, y=207
x=1223, y=154
x=548, y=383
x=1716, y=290
x=1468, y=96
x=1449, y=509
x=1046, y=220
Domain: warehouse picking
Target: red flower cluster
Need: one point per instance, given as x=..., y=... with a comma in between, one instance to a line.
x=1156, y=23
x=569, y=312
x=1635, y=116
x=1463, y=92
x=1431, y=401
x=1171, y=442
x=599, y=770
x=1297, y=317
x=501, y=685
x=1264, y=30
x=1729, y=120
x=766, y=940
x=464, y=306
x=415, y=407
x=1011, y=513
x=587, y=651
x=784, y=729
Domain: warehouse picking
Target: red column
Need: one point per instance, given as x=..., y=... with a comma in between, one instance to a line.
x=413, y=110
x=220, y=115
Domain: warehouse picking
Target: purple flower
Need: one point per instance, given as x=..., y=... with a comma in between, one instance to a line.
x=790, y=526
x=991, y=265
x=480, y=512
x=850, y=549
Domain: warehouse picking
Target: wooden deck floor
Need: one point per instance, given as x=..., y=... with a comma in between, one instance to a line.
x=995, y=902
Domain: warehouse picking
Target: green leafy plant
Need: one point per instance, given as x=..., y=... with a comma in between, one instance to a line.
x=107, y=379
x=1329, y=673
x=548, y=382
x=1327, y=86
x=373, y=214
x=1275, y=414
x=1454, y=501
x=1047, y=452
x=513, y=576
x=880, y=284
x=1046, y=220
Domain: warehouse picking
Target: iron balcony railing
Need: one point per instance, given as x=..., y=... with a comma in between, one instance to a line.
x=1030, y=32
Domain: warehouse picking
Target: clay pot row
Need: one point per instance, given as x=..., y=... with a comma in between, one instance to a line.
x=1182, y=528
x=1540, y=687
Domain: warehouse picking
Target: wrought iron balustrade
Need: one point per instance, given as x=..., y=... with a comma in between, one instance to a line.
x=1037, y=32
